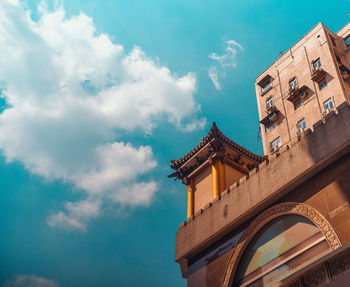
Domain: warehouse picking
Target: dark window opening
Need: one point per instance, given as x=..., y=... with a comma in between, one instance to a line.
x=322, y=84
x=338, y=59
x=270, y=125
x=297, y=104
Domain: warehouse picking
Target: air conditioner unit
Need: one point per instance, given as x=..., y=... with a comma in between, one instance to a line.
x=273, y=116
x=300, y=131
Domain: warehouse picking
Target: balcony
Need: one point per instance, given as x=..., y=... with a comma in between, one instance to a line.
x=266, y=84
x=345, y=72
x=296, y=92
x=270, y=108
x=272, y=115
x=317, y=74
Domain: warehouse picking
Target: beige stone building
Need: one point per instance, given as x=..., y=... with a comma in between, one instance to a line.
x=282, y=219
x=303, y=85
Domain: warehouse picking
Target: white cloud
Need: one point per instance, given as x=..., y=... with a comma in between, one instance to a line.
x=223, y=62
x=213, y=75
x=30, y=281
x=79, y=213
x=71, y=93
x=136, y=194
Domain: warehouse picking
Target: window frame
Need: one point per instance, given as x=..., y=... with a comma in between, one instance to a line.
x=295, y=81
x=326, y=102
x=301, y=124
x=318, y=65
x=266, y=86
x=267, y=102
x=274, y=147
x=315, y=239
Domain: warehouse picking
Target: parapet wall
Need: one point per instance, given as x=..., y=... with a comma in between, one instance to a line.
x=293, y=164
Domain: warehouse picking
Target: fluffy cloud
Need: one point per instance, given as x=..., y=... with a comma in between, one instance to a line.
x=70, y=93
x=30, y=281
x=223, y=62
x=78, y=213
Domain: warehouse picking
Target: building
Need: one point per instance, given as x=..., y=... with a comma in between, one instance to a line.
x=282, y=219
x=303, y=85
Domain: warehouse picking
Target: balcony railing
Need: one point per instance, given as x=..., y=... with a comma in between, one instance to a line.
x=317, y=74
x=295, y=92
x=345, y=72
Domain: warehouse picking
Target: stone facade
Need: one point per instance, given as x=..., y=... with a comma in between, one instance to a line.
x=307, y=174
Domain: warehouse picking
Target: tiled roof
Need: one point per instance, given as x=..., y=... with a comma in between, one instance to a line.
x=215, y=133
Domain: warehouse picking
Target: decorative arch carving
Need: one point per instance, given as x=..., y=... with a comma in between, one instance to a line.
x=273, y=212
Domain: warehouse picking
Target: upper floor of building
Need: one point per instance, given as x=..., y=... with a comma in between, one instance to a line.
x=304, y=84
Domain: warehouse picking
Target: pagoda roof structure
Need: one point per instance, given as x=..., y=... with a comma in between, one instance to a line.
x=213, y=144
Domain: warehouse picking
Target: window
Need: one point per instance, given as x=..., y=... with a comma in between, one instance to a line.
x=338, y=59
x=269, y=102
x=265, y=87
x=301, y=125
x=333, y=41
x=317, y=64
x=297, y=104
x=347, y=41
x=275, y=144
x=328, y=105
x=270, y=125
x=279, y=249
x=322, y=84
x=293, y=83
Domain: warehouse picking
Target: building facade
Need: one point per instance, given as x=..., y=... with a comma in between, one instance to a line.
x=282, y=219
x=303, y=85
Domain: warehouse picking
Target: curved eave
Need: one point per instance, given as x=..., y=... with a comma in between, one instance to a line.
x=215, y=133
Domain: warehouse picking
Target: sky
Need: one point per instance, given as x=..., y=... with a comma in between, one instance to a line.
x=96, y=98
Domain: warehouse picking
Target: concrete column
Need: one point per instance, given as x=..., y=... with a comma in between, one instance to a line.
x=222, y=175
x=190, y=199
x=216, y=178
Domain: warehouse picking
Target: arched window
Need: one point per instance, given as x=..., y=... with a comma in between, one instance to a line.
x=283, y=246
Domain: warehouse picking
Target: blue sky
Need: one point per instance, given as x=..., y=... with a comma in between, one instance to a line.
x=96, y=98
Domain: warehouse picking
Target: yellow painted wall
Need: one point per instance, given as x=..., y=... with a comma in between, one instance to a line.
x=203, y=188
x=232, y=175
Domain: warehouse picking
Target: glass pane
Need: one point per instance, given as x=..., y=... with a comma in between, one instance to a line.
x=347, y=41
x=283, y=246
x=265, y=87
